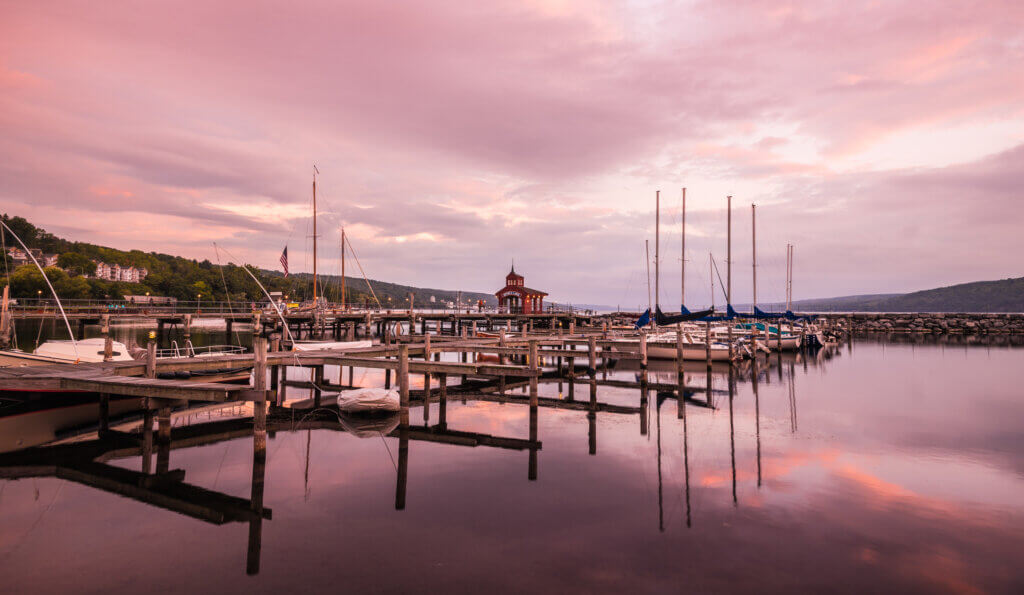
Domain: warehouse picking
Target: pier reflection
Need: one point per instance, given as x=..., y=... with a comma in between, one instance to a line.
x=88, y=461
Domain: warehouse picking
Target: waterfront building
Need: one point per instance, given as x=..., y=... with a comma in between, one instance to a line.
x=516, y=298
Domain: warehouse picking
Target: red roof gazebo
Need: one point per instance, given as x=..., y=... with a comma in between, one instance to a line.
x=519, y=299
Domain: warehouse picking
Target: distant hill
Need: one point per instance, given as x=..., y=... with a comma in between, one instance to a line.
x=399, y=294
x=1006, y=295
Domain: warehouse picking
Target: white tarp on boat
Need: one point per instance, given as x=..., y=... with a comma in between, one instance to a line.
x=321, y=345
x=368, y=400
x=86, y=350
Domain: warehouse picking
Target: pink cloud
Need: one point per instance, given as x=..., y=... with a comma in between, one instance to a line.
x=466, y=119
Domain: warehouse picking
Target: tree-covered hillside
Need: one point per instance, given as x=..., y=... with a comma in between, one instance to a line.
x=179, y=277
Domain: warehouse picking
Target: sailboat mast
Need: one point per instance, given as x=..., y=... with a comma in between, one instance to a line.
x=789, y=279
x=728, y=253
x=711, y=275
x=753, y=240
x=647, y=251
x=342, y=267
x=682, y=259
x=314, y=236
x=657, y=245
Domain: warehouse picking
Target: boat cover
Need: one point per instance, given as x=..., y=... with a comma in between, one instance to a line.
x=368, y=400
x=665, y=320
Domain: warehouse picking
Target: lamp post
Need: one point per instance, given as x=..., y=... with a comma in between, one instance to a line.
x=199, y=301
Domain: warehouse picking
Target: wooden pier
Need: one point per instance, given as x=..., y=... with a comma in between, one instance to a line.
x=508, y=369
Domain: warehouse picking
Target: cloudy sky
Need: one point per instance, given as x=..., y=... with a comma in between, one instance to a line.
x=885, y=140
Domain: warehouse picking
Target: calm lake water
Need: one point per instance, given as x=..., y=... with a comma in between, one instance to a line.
x=884, y=466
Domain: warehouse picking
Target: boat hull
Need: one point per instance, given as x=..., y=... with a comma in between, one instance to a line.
x=691, y=351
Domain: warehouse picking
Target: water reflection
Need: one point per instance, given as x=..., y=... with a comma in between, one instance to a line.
x=851, y=472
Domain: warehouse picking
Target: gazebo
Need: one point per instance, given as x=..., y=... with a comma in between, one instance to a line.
x=516, y=298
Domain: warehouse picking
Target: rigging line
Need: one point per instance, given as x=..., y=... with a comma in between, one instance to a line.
x=216, y=477
x=363, y=273
x=277, y=308
x=721, y=285
x=74, y=343
x=35, y=523
x=7, y=274
x=227, y=292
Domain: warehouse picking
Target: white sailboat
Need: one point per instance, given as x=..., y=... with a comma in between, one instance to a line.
x=662, y=345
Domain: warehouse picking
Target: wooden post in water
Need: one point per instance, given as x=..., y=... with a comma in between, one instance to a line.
x=707, y=342
x=531, y=473
x=502, y=358
x=108, y=342
x=275, y=373
x=643, y=407
x=151, y=358
x=318, y=382
x=259, y=384
x=592, y=356
x=104, y=413
x=188, y=328
x=403, y=462
x=534, y=367
x=259, y=467
x=592, y=418
x=403, y=378
x=147, y=436
x=442, y=415
x=643, y=349
x=163, y=437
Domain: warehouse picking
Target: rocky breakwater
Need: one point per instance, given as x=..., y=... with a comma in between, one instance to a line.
x=926, y=322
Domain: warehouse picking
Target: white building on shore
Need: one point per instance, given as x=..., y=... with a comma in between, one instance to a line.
x=116, y=272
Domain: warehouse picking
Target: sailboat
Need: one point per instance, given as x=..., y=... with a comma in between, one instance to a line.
x=774, y=337
x=662, y=345
x=318, y=304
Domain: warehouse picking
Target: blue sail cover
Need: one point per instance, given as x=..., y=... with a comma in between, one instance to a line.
x=684, y=310
x=762, y=315
x=686, y=316
x=644, y=319
x=790, y=316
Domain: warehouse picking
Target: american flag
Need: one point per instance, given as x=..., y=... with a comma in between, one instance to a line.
x=284, y=260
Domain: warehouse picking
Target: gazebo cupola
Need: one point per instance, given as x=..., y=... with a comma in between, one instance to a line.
x=515, y=297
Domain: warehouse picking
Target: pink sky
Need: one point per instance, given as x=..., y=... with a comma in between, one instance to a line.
x=884, y=139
